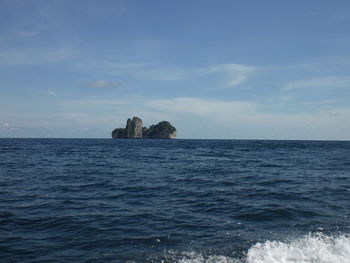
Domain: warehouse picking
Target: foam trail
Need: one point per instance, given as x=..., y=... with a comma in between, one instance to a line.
x=193, y=257
x=309, y=249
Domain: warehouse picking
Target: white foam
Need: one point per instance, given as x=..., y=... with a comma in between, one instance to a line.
x=193, y=257
x=308, y=249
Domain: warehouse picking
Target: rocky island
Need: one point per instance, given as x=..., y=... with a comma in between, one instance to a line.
x=134, y=130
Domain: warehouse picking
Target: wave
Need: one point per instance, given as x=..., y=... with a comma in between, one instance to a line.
x=317, y=248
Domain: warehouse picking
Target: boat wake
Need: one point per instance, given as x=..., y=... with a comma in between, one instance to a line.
x=308, y=249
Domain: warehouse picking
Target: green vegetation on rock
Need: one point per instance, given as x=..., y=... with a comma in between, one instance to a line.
x=134, y=130
x=162, y=130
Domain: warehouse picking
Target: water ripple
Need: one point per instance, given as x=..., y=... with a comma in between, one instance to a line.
x=179, y=200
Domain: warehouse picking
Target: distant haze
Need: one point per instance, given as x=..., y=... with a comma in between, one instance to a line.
x=213, y=69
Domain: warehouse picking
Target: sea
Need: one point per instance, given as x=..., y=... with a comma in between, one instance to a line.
x=199, y=201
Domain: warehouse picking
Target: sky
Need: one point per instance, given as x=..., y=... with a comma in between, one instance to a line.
x=228, y=69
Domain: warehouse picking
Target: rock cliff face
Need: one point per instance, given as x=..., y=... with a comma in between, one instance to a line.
x=134, y=130
x=163, y=130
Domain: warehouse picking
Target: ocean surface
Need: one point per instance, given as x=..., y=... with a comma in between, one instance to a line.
x=104, y=200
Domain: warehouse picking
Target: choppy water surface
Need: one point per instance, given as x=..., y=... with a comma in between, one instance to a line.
x=75, y=200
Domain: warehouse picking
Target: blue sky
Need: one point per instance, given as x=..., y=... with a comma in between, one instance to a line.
x=214, y=69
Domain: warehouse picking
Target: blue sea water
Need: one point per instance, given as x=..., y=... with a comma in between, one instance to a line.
x=104, y=200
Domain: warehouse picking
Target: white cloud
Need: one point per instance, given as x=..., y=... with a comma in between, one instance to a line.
x=114, y=8
x=247, y=120
x=139, y=70
x=103, y=84
x=193, y=118
x=323, y=82
x=27, y=34
x=237, y=73
x=204, y=107
x=165, y=74
x=227, y=75
x=5, y=125
x=12, y=57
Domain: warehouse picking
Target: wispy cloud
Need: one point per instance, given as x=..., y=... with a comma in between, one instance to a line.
x=237, y=119
x=5, y=125
x=227, y=75
x=321, y=82
x=27, y=34
x=323, y=102
x=204, y=107
x=148, y=71
x=194, y=117
x=24, y=56
x=237, y=73
x=115, y=8
x=103, y=84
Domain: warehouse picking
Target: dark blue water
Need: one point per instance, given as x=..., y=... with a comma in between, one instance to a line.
x=77, y=200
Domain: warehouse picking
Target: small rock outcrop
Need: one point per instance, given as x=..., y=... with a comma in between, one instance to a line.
x=134, y=130
x=163, y=130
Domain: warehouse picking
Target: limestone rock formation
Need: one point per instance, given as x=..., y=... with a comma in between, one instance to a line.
x=134, y=130
x=119, y=133
x=163, y=130
x=128, y=128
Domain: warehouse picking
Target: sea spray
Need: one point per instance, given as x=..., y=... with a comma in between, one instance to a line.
x=193, y=257
x=316, y=248
x=312, y=248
